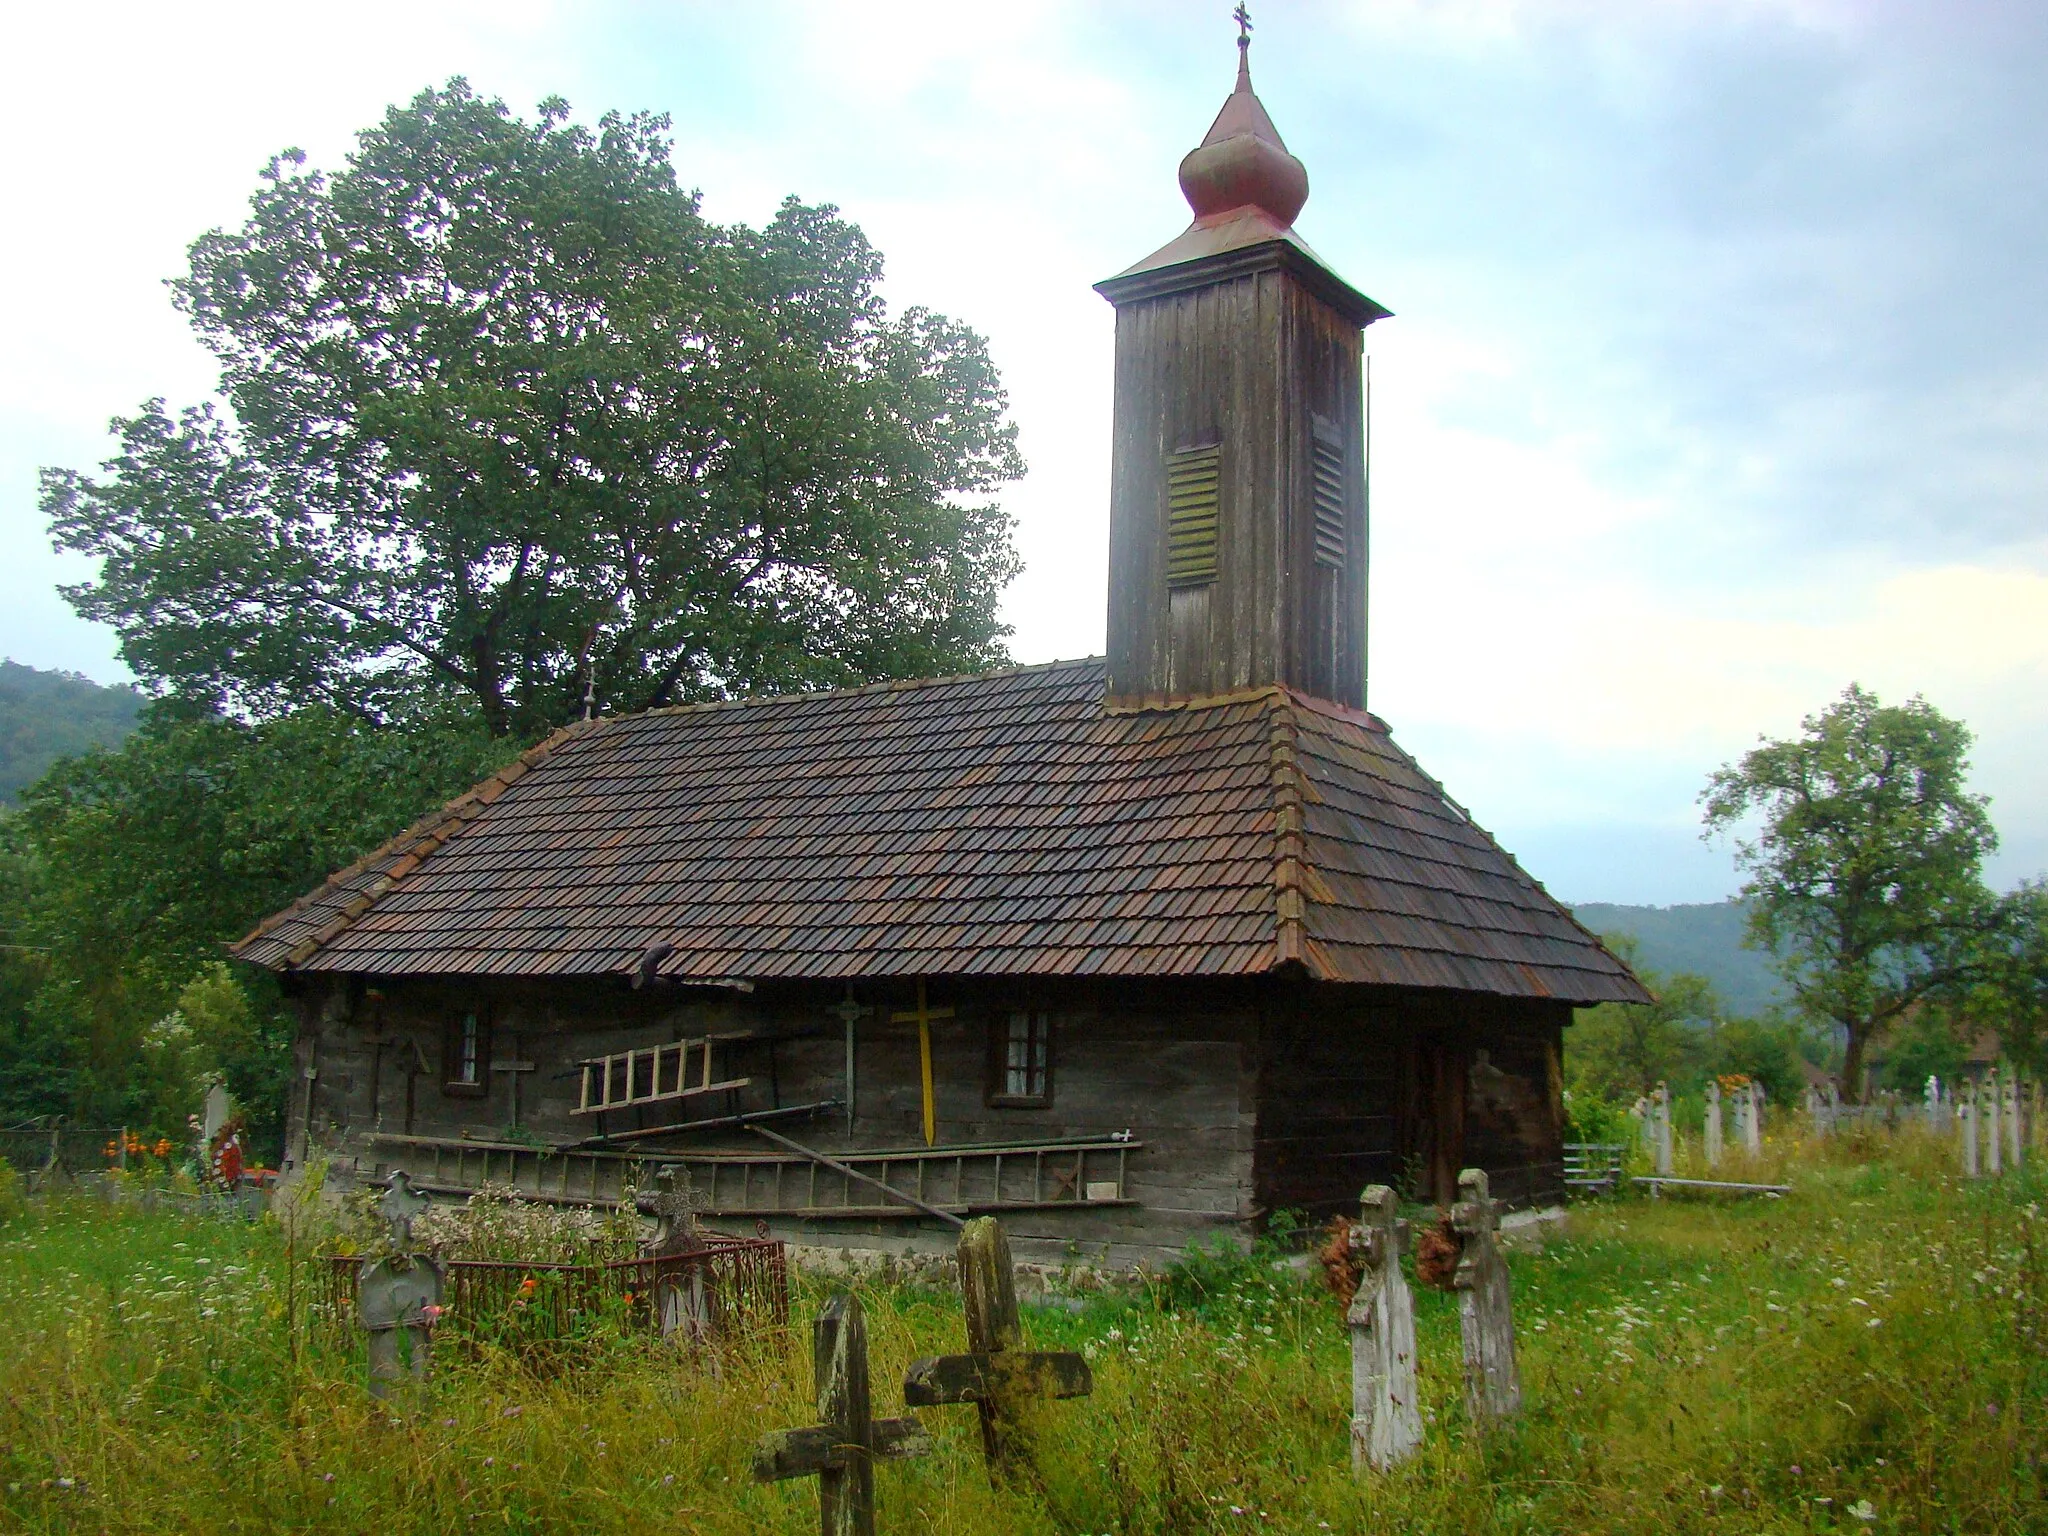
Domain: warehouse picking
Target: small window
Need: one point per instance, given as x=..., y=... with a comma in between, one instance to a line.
x=1193, y=476
x=1327, y=461
x=1020, y=1060
x=466, y=1055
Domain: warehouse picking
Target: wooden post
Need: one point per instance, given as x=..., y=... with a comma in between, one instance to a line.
x=841, y=1448
x=998, y=1375
x=1486, y=1326
x=1386, y=1423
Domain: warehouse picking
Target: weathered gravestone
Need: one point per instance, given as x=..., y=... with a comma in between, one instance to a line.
x=398, y=1296
x=683, y=1297
x=1987, y=1107
x=1713, y=1123
x=1486, y=1325
x=1386, y=1421
x=1660, y=1130
x=1004, y=1380
x=1966, y=1127
x=840, y=1449
x=2013, y=1129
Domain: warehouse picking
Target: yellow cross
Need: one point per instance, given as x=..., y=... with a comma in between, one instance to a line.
x=923, y=1018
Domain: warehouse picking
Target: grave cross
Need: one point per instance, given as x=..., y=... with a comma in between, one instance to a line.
x=840, y=1451
x=1994, y=1146
x=513, y=1069
x=677, y=1204
x=998, y=1375
x=1966, y=1123
x=398, y=1205
x=1713, y=1125
x=1486, y=1325
x=1386, y=1425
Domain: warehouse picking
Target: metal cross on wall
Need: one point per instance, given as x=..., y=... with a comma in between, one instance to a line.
x=840, y=1450
x=998, y=1375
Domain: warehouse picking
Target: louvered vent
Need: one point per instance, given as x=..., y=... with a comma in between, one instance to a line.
x=1328, y=455
x=1192, y=478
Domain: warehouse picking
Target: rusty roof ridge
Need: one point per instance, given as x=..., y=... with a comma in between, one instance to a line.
x=1290, y=851
x=418, y=840
x=886, y=685
x=1364, y=719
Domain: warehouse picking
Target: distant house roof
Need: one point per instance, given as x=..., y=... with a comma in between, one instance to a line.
x=1001, y=824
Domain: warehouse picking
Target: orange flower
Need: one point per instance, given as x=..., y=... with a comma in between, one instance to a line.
x=528, y=1285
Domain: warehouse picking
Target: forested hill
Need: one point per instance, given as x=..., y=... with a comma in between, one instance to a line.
x=48, y=715
x=1705, y=938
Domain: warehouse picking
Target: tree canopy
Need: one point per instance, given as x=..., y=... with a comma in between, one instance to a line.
x=509, y=419
x=1864, y=863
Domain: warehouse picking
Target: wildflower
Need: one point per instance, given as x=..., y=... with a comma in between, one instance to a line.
x=1863, y=1510
x=528, y=1285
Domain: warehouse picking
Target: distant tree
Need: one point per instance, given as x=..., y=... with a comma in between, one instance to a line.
x=512, y=421
x=127, y=871
x=1623, y=1050
x=1865, y=866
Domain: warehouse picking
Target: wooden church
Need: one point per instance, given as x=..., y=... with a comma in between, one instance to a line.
x=1132, y=950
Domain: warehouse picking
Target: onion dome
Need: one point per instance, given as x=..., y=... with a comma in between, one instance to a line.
x=1243, y=163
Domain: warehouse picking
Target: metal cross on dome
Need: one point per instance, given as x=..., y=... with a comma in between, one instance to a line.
x=1243, y=17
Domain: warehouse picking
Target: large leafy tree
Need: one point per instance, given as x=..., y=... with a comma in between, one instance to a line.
x=509, y=418
x=1864, y=851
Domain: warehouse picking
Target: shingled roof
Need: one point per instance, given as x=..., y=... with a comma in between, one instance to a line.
x=1002, y=824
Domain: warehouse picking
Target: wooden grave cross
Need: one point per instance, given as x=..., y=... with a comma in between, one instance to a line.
x=1486, y=1326
x=513, y=1069
x=840, y=1450
x=997, y=1374
x=922, y=1017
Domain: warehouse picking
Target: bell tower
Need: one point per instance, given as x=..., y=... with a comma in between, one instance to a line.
x=1237, y=521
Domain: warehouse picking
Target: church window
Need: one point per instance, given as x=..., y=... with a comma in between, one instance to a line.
x=466, y=1054
x=1020, y=1059
x=1193, y=477
x=1327, y=461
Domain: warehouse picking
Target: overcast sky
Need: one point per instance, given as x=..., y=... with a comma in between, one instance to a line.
x=1718, y=377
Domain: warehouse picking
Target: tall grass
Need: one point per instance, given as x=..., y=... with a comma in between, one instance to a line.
x=1871, y=1345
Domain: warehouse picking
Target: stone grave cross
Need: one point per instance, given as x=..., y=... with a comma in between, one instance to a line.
x=998, y=1375
x=677, y=1204
x=2013, y=1139
x=1386, y=1422
x=840, y=1450
x=1486, y=1326
x=398, y=1296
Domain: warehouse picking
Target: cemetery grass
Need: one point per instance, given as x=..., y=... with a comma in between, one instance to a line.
x=1864, y=1355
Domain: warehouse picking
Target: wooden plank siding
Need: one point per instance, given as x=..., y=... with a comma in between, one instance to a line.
x=1248, y=363
x=1247, y=1098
